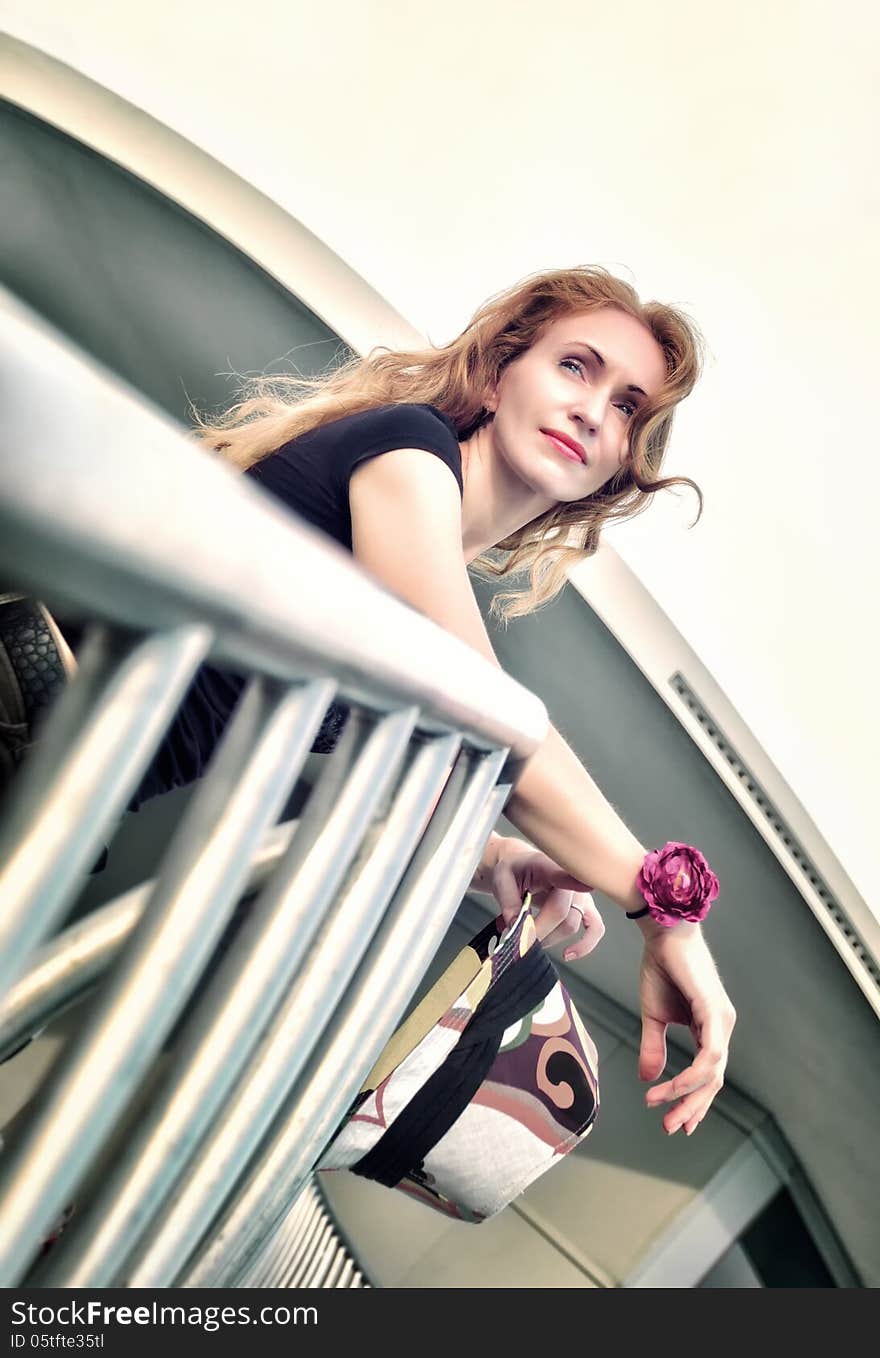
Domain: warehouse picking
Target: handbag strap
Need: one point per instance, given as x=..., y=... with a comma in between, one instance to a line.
x=465, y=968
x=400, y=1151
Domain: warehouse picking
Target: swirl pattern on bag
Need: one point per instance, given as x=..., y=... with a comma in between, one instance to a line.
x=500, y=1089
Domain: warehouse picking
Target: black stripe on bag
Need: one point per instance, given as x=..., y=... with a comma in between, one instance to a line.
x=443, y=1098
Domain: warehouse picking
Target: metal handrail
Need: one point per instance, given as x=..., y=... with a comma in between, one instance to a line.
x=271, y=1038
x=164, y=536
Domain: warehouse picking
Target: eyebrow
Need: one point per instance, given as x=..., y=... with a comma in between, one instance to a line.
x=602, y=364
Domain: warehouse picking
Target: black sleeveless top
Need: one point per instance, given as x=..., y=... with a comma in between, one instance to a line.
x=310, y=475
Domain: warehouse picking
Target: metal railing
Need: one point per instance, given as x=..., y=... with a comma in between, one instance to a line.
x=244, y=1058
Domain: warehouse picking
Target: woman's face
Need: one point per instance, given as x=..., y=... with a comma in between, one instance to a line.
x=584, y=380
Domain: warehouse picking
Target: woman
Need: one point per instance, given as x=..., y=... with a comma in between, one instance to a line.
x=548, y=416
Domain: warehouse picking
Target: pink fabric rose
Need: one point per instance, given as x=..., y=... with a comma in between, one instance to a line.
x=677, y=884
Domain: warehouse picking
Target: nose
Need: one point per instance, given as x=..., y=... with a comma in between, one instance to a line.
x=589, y=410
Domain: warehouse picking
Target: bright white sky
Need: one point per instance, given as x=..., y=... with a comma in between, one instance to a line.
x=723, y=161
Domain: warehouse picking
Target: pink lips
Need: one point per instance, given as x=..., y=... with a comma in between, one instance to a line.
x=565, y=445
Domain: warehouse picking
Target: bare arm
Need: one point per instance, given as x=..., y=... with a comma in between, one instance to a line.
x=557, y=805
x=406, y=530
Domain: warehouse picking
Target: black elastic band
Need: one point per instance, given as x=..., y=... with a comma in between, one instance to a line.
x=637, y=914
x=444, y=1096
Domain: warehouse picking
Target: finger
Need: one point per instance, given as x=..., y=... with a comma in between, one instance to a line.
x=689, y=1081
x=593, y=925
x=582, y=947
x=690, y=1110
x=693, y=1121
x=582, y=914
x=690, y=1095
x=687, y=1114
x=564, y=932
x=652, y=1052
x=707, y=1068
x=712, y=1035
x=554, y=910
x=506, y=889
x=691, y=1092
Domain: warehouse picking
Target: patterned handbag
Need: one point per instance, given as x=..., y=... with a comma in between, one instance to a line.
x=491, y=1080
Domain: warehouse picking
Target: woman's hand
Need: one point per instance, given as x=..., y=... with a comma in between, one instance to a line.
x=564, y=903
x=680, y=984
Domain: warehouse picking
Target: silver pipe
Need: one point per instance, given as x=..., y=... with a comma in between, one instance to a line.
x=308, y=1246
x=345, y=1277
x=423, y=907
x=296, y=1237
x=316, y=1267
x=97, y=742
x=200, y=882
x=281, y=1253
x=336, y=1264
x=220, y=1035
x=317, y=1099
x=286, y=1044
x=68, y=967
x=266, y=1196
x=64, y=970
x=303, y=1234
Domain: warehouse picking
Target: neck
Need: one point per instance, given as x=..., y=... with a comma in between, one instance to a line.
x=496, y=502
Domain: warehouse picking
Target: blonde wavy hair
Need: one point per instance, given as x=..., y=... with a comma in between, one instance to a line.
x=455, y=378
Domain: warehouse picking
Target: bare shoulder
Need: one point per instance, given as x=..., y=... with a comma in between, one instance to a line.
x=405, y=493
x=407, y=533
x=408, y=472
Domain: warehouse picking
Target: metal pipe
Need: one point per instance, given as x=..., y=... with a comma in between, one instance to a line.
x=219, y=1036
x=68, y=967
x=423, y=907
x=97, y=742
x=296, y=1027
x=199, y=884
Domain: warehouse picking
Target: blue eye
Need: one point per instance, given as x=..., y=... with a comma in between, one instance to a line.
x=627, y=408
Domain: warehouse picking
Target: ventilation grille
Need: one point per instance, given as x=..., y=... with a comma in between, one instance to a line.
x=778, y=824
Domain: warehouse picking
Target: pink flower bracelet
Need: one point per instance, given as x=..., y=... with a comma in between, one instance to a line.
x=677, y=884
